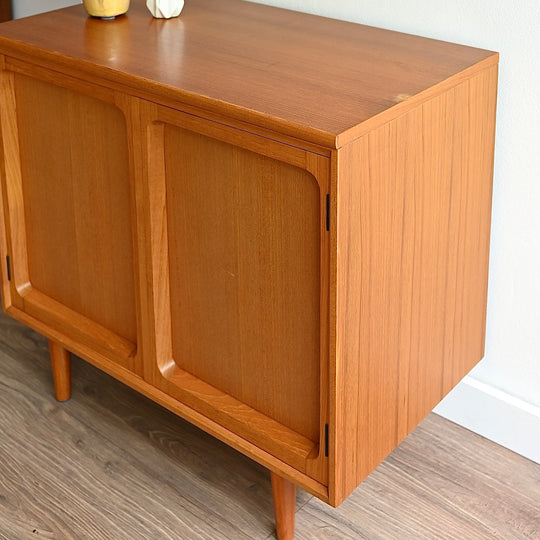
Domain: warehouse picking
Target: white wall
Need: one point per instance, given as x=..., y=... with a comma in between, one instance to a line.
x=511, y=367
x=24, y=8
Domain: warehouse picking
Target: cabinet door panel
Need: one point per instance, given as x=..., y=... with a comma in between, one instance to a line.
x=244, y=275
x=75, y=252
x=239, y=255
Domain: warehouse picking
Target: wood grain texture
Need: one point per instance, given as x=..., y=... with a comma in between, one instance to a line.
x=92, y=463
x=111, y=464
x=441, y=482
x=206, y=423
x=78, y=327
x=5, y=284
x=5, y=10
x=413, y=237
x=75, y=188
x=14, y=230
x=244, y=235
x=174, y=108
x=284, y=494
x=181, y=232
x=295, y=73
x=61, y=370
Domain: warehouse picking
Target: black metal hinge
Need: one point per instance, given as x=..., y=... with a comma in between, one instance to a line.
x=326, y=444
x=328, y=212
x=8, y=263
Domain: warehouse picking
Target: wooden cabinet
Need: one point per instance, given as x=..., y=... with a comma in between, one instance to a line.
x=5, y=10
x=276, y=225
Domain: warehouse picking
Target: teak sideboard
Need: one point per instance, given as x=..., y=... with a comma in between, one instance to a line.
x=276, y=225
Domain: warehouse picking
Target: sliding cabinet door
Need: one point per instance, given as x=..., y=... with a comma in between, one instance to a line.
x=68, y=214
x=240, y=257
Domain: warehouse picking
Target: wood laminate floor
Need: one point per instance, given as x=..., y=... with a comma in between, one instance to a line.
x=110, y=464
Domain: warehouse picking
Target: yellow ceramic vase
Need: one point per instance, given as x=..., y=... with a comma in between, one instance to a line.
x=106, y=9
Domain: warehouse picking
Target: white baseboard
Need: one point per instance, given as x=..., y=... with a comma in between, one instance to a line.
x=496, y=415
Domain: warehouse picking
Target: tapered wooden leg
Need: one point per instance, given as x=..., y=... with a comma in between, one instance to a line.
x=61, y=368
x=284, y=506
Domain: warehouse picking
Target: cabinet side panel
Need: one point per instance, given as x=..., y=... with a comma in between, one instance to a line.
x=75, y=183
x=414, y=199
x=244, y=256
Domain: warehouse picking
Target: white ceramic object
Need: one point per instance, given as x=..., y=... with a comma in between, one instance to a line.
x=165, y=9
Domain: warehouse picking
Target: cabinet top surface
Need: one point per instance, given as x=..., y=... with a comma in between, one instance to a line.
x=279, y=69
